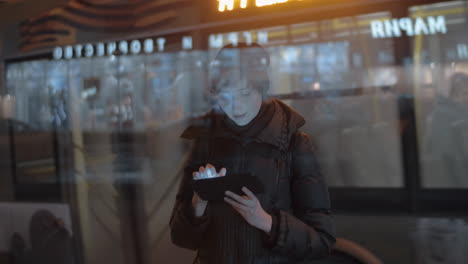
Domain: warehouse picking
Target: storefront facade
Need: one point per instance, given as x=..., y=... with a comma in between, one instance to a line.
x=380, y=83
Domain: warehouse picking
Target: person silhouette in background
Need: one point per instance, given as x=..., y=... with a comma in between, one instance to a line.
x=51, y=243
x=288, y=220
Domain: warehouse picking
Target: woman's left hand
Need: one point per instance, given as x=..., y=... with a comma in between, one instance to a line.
x=250, y=209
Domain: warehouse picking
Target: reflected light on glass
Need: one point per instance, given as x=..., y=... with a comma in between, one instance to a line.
x=316, y=86
x=290, y=55
x=427, y=77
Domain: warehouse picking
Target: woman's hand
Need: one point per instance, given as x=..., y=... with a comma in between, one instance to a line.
x=198, y=204
x=207, y=172
x=250, y=209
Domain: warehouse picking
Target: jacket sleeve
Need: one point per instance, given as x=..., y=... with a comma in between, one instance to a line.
x=309, y=231
x=186, y=229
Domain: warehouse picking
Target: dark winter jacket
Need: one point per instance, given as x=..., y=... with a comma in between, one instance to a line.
x=295, y=194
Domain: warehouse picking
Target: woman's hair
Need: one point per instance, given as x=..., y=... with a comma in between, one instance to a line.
x=249, y=62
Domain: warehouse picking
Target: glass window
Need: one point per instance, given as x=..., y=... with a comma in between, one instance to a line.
x=37, y=108
x=441, y=91
x=111, y=125
x=344, y=83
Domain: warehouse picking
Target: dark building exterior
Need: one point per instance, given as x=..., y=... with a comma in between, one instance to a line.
x=95, y=94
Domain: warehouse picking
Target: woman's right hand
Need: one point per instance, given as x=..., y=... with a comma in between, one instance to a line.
x=207, y=172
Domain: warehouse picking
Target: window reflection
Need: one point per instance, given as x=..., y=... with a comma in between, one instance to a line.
x=110, y=125
x=440, y=89
x=137, y=93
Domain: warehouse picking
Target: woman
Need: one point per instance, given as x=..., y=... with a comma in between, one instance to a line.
x=289, y=220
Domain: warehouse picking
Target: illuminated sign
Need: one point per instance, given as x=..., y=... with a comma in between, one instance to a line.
x=125, y=47
x=229, y=5
x=412, y=27
x=261, y=3
x=216, y=41
x=148, y=46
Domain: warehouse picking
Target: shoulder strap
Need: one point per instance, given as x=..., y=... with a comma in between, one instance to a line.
x=211, y=138
x=292, y=144
x=292, y=141
x=286, y=162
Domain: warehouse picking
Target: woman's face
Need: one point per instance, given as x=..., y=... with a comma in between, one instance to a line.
x=240, y=102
